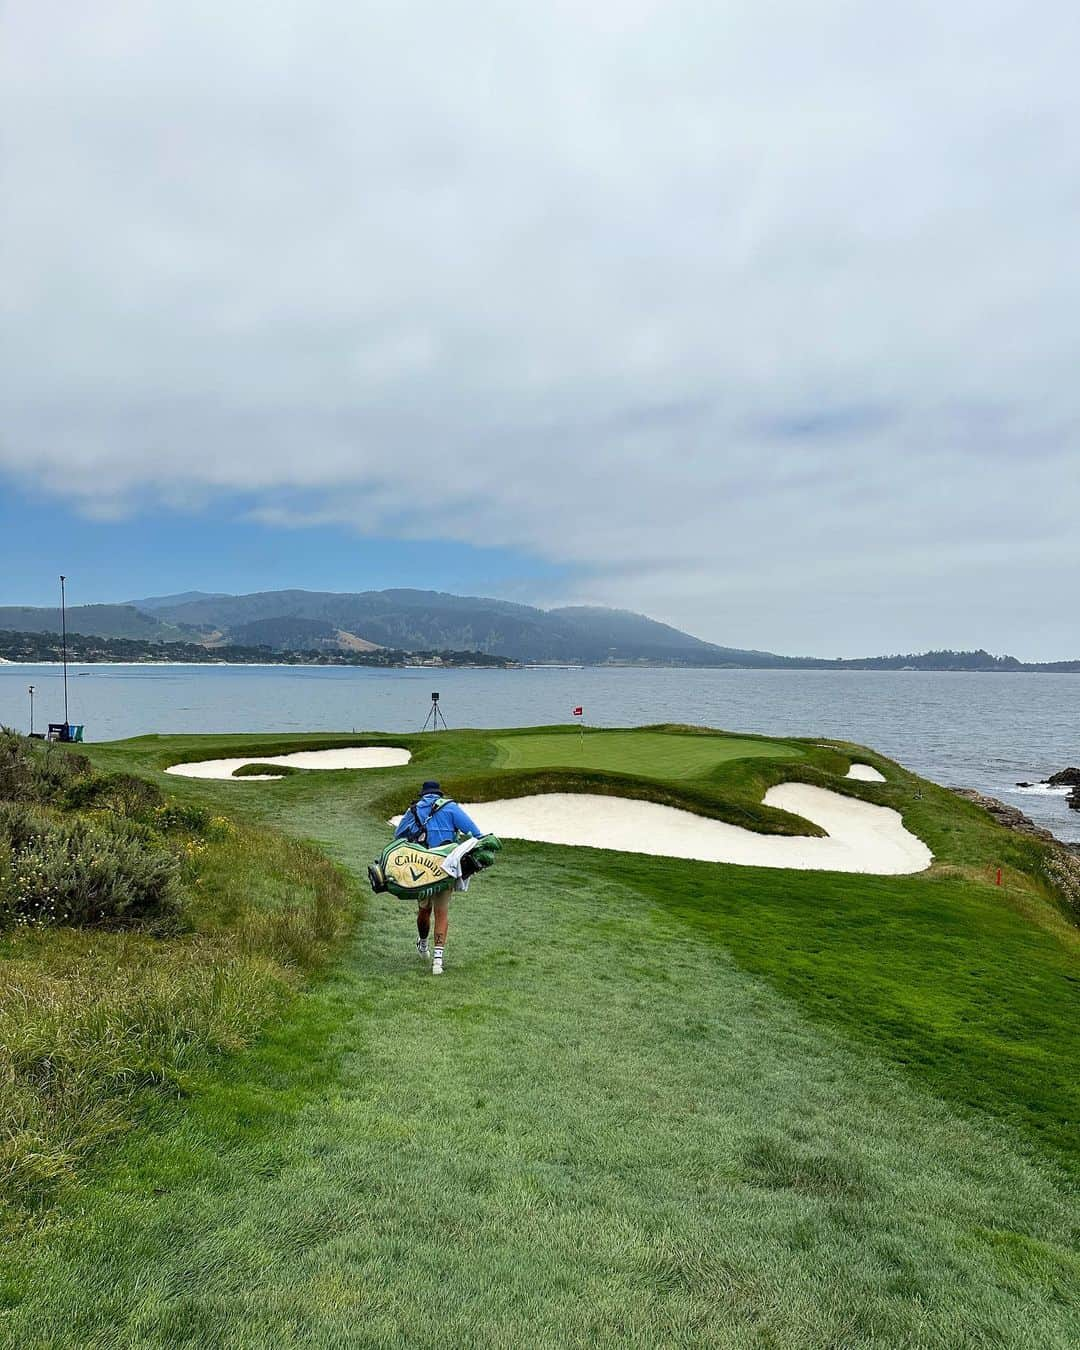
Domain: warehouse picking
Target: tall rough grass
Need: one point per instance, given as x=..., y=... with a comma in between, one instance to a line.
x=86, y=1025
x=92, y=1021
x=208, y=929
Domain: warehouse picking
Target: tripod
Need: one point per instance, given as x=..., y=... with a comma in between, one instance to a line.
x=434, y=716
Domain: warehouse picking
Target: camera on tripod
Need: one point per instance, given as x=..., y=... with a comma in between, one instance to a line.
x=435, y=715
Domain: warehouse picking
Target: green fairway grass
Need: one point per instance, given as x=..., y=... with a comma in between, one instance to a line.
x=651, y=754
x=651, y=1102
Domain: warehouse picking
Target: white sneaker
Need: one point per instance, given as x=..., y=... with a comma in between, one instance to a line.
x=436, y=966
x=421, y=948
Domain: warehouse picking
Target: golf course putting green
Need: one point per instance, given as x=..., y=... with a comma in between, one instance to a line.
x=652, y=754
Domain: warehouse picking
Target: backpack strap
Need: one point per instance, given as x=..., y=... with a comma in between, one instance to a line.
x=414, y=829
x=422, y=825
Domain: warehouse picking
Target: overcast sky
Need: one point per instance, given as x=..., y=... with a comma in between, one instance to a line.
x=759, y=317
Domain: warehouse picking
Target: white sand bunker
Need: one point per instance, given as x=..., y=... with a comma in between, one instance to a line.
x=865, y=773
x=356, y=757
x=861, y=837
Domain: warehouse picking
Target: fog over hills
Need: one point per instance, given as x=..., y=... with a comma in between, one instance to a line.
x=414, y=620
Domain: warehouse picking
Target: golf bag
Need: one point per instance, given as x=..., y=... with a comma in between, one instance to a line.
x=413, y=872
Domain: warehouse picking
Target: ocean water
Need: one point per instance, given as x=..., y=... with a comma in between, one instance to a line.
x=982, y=731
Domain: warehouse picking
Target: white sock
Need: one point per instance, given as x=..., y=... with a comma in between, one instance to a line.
x=438, y=953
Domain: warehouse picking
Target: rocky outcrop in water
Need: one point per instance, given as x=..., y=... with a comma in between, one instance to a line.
x=1069, y=778
x=1066, y=778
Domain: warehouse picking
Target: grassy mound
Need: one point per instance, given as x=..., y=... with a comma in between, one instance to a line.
x=258, y=770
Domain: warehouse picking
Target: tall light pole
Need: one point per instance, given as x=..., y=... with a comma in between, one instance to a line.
x=63, y=623
x=30, y=691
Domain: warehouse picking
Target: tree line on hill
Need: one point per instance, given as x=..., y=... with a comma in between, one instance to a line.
x=35, y=647
x=348, y=628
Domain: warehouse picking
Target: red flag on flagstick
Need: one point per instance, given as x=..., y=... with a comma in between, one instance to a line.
x=578, y=712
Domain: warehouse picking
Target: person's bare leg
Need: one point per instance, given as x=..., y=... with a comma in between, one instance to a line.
x=423, y=926
x=441, y=905
x=442, y=917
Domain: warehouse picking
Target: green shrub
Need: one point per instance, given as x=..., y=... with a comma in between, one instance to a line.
x=82, y=873
x=16, y=767
x=258, y=770
x=187, y=816
x=126, y=794
x=138, y=800
x=31, y=772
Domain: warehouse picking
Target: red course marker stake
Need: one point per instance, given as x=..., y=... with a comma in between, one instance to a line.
x=999, y=876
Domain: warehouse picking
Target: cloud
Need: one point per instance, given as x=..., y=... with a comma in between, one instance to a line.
x=761, y=318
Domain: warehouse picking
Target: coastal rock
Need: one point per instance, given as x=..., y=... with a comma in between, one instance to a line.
x=1066, y=778
x=1073, y=799
x=1005, y=815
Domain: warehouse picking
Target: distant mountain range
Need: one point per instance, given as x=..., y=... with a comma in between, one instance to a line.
x=413, y=620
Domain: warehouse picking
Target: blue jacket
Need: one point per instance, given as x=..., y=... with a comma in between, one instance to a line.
x=448, y=821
